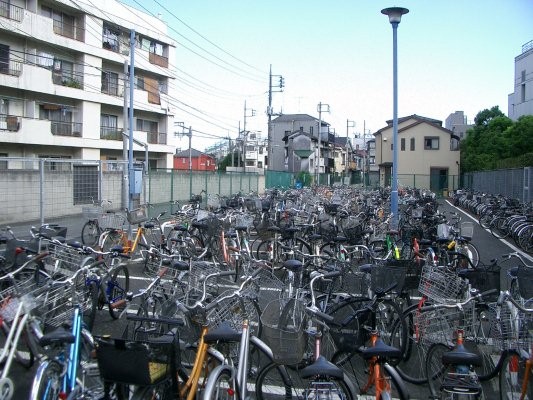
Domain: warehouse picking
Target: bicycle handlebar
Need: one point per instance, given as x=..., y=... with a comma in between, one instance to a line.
x=459, y=305
x=506, y=296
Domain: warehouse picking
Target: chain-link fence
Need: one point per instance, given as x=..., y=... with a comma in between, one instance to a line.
x=38, y=191
x=513, y=183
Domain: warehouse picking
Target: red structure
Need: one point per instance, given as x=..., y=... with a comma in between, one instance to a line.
x=199, y=161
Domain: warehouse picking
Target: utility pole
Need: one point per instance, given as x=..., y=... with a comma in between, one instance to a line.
x=349, y=124
x=321, y=108
x=270, y=113
x=125, y=178
x=245, y=133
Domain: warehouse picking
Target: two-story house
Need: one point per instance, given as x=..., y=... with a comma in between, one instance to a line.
x=300, y=132
x=64, y=75
x=194, y=160
x=428, y=154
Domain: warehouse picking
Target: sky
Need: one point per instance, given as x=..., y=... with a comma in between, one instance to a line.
x=453, y=55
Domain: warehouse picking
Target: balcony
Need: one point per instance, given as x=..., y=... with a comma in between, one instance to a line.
x=156, y=138
x=110, y=133
x=59, y=128
x=11, y=11
x=69, y=80
x=9, y=123
x=158, y=60
x=11, y=67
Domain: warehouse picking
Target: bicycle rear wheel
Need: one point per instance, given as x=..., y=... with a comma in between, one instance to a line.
x=90, y=233
x=512, y=376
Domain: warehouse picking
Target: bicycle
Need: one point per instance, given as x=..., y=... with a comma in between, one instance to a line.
x=287, y=328
x=97, y=221
x=452, y=365
x=515, y=322
x=145, y=234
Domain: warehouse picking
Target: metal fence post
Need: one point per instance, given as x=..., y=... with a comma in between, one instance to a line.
x=41, y=190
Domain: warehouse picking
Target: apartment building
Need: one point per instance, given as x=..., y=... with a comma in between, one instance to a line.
x=520, y=102
x=64, y=74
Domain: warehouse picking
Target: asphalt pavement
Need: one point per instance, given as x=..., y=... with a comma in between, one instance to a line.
x=489, y=248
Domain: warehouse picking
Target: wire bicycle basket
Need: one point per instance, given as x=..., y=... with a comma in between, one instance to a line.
x=284, y=321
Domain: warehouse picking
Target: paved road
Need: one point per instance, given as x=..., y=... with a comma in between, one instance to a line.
x=488, y=246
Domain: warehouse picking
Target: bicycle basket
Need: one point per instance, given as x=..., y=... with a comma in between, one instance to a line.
x=138, y=215
x=467, y=230
x=283, y=330
x=135, y=362
x=483, y=280
x=111, y=221
x=525, y=277
x=387, y=277
x=441, y=284
x=512, y=329
x=92, y=212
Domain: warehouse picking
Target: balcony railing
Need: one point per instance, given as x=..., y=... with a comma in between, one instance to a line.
x=70, y=80
x=110, y=88
x=60, y=128
x=158, y=60
x=11, y=68
x=110, y=133
x=11, y=11
x=9, y=123
x=156, y=138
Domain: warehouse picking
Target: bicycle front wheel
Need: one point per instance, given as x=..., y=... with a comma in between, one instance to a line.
x=512, y=376
x=161, y=391
x=47, y=383
x=116, y=287
x=90, y=233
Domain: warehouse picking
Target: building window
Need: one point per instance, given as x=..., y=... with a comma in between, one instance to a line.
x=146, y=126
x=109, y=127
x=431, y=143
x=110, y=83
x=110, y=39
x=523, y=93
x=51, y=165
x=412, y=144
x=402, y=144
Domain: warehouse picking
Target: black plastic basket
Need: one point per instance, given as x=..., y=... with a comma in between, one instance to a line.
x=136, y=362
x=525, y=277
x=388, y=277
x=413, y=270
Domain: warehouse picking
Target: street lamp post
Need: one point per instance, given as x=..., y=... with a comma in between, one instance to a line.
x=395, y=16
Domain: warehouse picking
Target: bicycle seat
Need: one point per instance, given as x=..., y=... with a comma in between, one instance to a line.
x=322, y=367
x=380, y=349
x=241, y=228
x=314, y=236
x=366, y=268
x=293, y=265
x=223, y=333
x=57, y=337
x=177, y=265
x=340, y=239
x=149, y=225
x=181, y=228
x=461, y=356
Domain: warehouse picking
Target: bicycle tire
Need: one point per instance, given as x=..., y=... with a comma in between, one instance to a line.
x=411, y=365
x=116, y=288
x=512, y=376
x=111, y=239
x=47, y=384
x=23, y=352
x=90, y=233
x=160, y=391
x=435, y=370
x=498, y=228
x=221, y=384
x=356, y=369
x=89, y=304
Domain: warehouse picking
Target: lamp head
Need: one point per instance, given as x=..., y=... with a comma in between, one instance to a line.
x=395, y=14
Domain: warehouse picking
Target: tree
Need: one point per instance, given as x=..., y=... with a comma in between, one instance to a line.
x=495, y=138
x=226, y=161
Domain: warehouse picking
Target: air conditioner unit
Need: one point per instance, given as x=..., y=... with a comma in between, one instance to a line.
x=125, y=52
